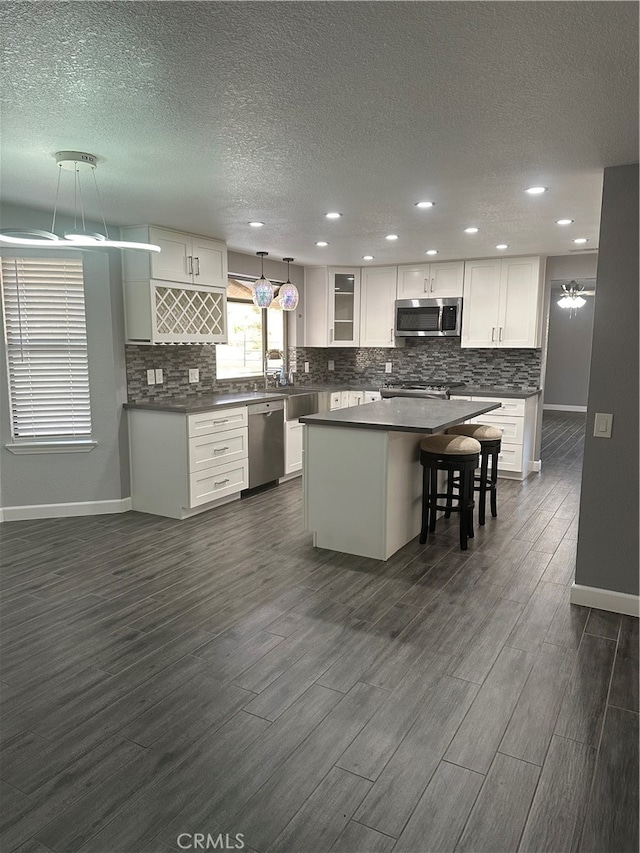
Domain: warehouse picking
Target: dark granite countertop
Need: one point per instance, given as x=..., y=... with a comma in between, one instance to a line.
x=206, y=402
x=489, y=391
x=402, y=414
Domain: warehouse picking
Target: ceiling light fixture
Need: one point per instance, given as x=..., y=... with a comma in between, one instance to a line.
x=564, y=221
x=256, y=224
x=322, y=243
x=77, y=162
x=288, y=295
x=431, y=252
x=333, y=215
x=263, y=290
x=367, y=257
x=571, y=297
x=424, y=204
x=472, y=230
x=502, y=246
x=536, y=190
x=391, y=237
x=581, y=240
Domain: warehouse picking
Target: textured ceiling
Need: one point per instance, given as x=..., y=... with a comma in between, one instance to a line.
x=207, y=115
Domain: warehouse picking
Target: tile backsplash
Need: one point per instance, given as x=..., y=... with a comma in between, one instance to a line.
x=418, y=361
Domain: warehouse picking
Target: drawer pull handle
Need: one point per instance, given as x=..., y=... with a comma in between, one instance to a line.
x=220, y=449
x=493, y=333
x=222, y=421
x=221, y=482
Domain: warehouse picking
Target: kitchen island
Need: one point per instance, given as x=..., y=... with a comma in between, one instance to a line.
x=361, y=472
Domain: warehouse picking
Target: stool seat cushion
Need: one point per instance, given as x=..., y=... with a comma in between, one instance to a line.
x=456, y=445
x=477, y=431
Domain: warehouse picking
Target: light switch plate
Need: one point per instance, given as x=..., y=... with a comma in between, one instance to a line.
x=194, y=374
x=331, y=365
x=387, y=367
x=151, y=377
x=602, y=425
x=159, y=379
x=306, y=367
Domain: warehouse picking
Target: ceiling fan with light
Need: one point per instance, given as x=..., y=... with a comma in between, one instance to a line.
x=573, y=293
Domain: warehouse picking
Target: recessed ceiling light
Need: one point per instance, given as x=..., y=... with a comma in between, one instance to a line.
x=391, y=237
x=333, y=215
x=367, y=257
x=472, y=230
x=256, y=224
x=564, y=221
x=424, y=204
x=502, y=246
x=536, y=190
x=581, y=240
x=321, y=243
x=431, y=252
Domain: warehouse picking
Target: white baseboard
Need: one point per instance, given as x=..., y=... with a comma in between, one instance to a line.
x=605, y=599
x=555, y=408
x=24, y=513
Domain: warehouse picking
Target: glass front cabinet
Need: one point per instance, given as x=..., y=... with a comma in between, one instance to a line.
x=344, y=307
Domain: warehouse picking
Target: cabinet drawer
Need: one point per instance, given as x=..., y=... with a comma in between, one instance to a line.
x=205, y=423
x=510, y=457
x=507, y=406
x=512, y=427
x=208, y=450
x=218, y=482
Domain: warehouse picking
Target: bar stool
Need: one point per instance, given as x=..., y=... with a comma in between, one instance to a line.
x=490, y=439
x=456, y=455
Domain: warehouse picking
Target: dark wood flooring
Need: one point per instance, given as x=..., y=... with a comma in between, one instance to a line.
x=219, y=675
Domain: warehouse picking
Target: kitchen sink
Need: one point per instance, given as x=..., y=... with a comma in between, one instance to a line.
x=305, y=403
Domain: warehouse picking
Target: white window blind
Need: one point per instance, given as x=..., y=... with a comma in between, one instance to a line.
x=46, y=343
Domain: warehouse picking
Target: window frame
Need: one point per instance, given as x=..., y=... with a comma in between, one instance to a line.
x=249, y=280
x=67, y=442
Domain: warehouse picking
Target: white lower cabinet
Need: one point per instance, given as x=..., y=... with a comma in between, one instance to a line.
x=182, y=464
x=516, y=419
x=356, y=398
x=293, y=447
x=372, y=396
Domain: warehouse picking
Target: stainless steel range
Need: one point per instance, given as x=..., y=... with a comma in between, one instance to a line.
x=438, y=389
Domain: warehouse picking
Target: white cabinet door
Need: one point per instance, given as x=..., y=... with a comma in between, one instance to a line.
x=209, y=262
x=293, y=446
x=480, y=306
x=344, y=307
x=173, y=262
x=344, y=399
x=446, y=280
x=356, y=398
x=372, y=396
x=335, y=400
x=316, y=307
x=377, y=306
x=413, y=281
x=519, y=302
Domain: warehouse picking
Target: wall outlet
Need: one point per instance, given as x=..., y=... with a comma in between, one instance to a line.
x=159, y=379
x=194, y=374
x=387, y=367
x=306, y=367
x=151, y=377
x=331, y=365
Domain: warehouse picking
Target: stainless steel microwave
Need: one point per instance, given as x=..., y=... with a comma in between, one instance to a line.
x=428, y=317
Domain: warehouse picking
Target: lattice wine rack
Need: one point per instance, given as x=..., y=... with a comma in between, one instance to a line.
x=188, y=315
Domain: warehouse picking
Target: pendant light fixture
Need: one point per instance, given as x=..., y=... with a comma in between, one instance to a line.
x=80, y=163
x=263, y=290
x=288, y=294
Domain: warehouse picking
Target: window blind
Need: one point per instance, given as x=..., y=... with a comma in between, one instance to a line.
x=46, y=343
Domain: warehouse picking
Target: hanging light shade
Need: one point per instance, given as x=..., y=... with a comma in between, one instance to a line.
x=263, y=290
x=288, y=295
x=78, y=162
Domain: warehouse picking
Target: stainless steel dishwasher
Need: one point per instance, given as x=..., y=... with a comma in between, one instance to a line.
x=266, y=442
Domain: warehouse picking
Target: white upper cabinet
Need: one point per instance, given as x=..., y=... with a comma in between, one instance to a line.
x=332, y=307
x=184, y=258
x=502, y=303
x=430, y=281
x=178, y=295
x=377, y=303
